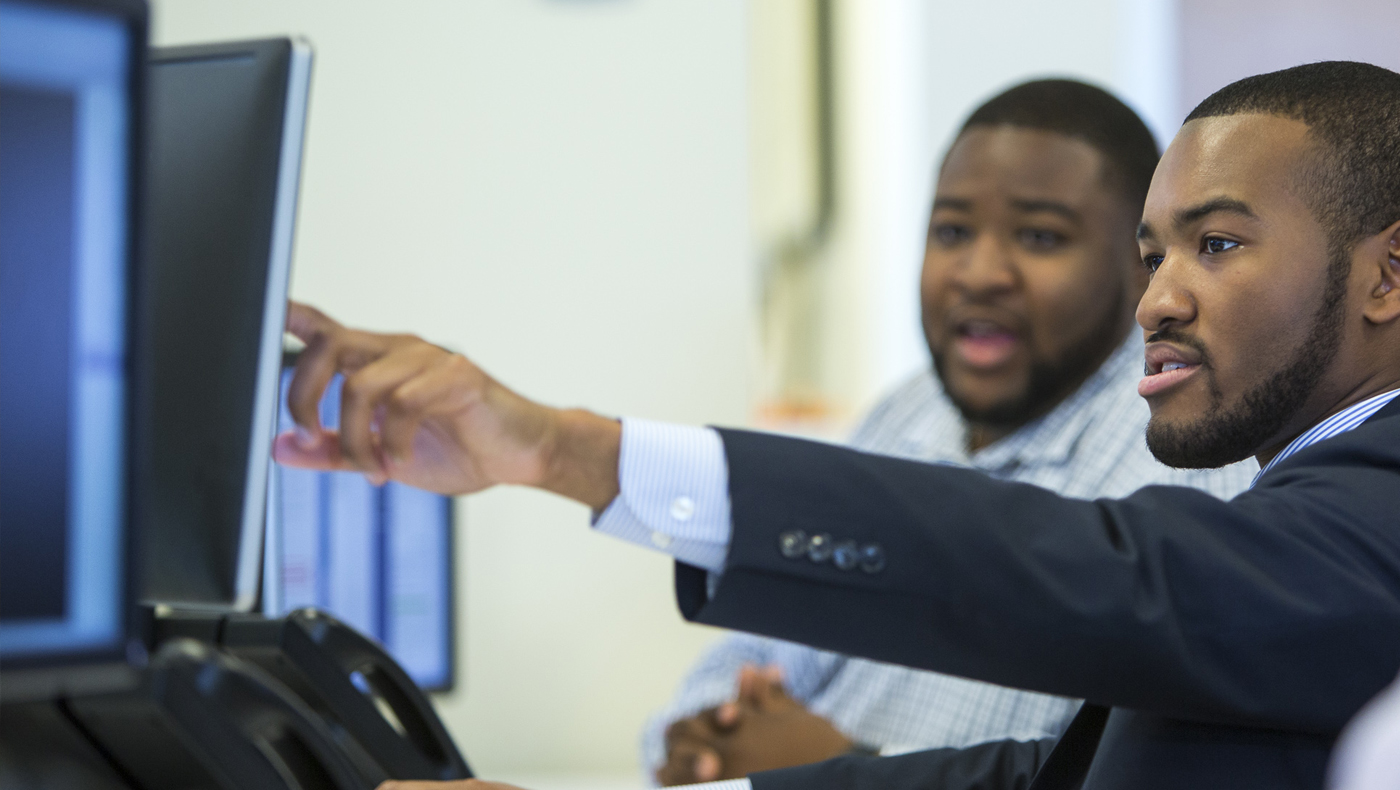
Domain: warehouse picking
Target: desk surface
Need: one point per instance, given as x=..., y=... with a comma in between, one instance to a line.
x=545, y=780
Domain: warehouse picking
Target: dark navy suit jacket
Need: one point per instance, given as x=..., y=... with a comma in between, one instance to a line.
x=1231, y=641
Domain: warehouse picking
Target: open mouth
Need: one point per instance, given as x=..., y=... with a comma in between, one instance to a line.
x=984, y=343
x=1166, y=367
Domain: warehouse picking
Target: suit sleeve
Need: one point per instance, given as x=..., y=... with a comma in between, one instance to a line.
x=1279, y=608
x=997, y=765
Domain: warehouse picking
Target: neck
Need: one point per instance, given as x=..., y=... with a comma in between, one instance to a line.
x=980, y=434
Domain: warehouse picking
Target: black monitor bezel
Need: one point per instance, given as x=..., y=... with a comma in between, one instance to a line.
x=49, y=675
x=280, y=57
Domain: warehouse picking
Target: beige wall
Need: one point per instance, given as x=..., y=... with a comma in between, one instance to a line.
x=559, y=189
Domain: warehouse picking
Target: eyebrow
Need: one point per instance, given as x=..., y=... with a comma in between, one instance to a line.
x=1186, y=216
x=1052, y=206
x=957, y=204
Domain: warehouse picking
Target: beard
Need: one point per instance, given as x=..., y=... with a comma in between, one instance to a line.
x=1224, y=436
x=1048, y=381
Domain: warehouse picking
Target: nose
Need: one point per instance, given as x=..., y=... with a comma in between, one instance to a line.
x=1167, y=300
x=986, y=268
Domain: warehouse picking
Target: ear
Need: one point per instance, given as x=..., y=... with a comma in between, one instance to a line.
x=1383, y=303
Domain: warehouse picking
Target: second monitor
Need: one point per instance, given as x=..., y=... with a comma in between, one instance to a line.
x=377, y=558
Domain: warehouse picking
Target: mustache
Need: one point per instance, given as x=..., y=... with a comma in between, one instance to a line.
x=1177, y=337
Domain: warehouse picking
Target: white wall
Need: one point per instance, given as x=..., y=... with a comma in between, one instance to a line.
x=559, y=189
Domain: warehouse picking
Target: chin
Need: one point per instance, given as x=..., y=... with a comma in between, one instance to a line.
x=1208, y=442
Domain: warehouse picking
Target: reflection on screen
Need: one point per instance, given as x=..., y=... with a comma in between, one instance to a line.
x=378, y=559
x=63, y=264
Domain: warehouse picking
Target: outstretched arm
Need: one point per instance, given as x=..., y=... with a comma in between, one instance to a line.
x=414, y=412
x=1163, y=601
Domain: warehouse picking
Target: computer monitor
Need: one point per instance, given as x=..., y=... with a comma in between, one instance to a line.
x=226, y=134
x=377, y=558
x=70, y=115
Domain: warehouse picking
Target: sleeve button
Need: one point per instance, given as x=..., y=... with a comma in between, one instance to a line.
x=682, y=508
x=872, y=558
x=819, y=548
x=793, y=543
x=846, y=555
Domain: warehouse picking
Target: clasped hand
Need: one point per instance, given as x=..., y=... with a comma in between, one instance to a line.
x=762, y=729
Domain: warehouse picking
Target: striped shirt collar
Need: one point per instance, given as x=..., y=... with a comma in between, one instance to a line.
x=1339, y=423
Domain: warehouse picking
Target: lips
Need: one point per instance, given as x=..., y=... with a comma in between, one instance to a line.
x=984, y=343
x=1167, y=367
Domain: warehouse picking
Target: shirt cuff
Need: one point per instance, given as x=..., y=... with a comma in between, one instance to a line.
x=674, y=496
x=727, y=784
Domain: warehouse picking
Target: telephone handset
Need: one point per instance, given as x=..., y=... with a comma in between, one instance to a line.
x=356, y=687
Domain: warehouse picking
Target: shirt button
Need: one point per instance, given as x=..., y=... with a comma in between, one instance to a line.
x=793, y=543
x=819, y=548
x=682, y=508
x=846, y=555
x=872, y=558
x=661, y=540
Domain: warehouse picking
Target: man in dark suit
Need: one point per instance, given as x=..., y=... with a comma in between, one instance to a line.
x=1218, y=644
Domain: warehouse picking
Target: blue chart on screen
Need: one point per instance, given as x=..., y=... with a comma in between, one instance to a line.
x=380, y=559
x=63, y=153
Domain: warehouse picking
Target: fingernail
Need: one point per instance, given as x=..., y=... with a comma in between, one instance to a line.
x=727, y=712
x=306, y=440
x=706, y=767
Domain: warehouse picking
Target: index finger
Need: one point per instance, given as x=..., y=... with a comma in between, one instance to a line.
x=330, y=349
x=307, y=323
x=315, y=366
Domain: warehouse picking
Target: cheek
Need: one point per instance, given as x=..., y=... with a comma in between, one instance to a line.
x=934, y=290
x=1252, y=326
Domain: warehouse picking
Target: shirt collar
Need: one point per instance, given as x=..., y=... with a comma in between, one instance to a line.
x=1337, y=424
x=1052, y=438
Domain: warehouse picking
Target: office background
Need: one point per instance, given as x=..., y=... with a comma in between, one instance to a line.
x=587, y=196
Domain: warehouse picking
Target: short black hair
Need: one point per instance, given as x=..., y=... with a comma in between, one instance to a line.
x=1084, y=112
x=1352, y=111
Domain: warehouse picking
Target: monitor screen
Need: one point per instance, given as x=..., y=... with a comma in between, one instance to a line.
x=224, y=161
x=377, y=558
x=66, y=115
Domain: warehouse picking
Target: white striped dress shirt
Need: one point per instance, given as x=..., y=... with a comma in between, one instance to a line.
x=1339, y=423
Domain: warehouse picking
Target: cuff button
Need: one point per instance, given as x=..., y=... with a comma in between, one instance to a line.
x=872, y=558
x=846, y=555
x=793, y=543
x=819, y=548
x=682, y=508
